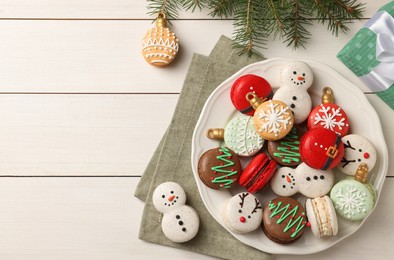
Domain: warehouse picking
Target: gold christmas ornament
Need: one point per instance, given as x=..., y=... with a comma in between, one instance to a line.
x=160, y=45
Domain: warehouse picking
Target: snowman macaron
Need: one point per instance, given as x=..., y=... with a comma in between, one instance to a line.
x=296, y=78
x=358, y=149
x=308, y=181
x=180, y=222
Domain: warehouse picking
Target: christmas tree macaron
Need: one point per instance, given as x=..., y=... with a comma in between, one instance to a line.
x=219, y=168
x=329, y=115
x=273, y=119
x=284, y=220
x=354, y=198
x=239, y=135
x=286, y=151
x=245, y=84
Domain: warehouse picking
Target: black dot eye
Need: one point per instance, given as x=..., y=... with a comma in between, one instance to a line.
x=177, y=217
x=359, y=160
x=360, y=150
x=249, y=216
x=322, y=177
x=303, y=74
x=240, y=211
x=172, y=192
x=283, y=176
x=284, y=186
x=308, y=178
x=163, y=196
x=315, y=177
x=184, y=229
x=292, y=106
x=294, y=98
x=180, y=223
x=294, y=72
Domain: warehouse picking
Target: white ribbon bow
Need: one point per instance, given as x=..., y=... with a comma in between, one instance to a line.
x=382, y=76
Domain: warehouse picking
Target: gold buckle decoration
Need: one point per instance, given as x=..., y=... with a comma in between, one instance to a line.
x=332, y=152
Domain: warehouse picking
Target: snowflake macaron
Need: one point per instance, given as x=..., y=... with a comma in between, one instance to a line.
x=273, y=119
x=329, y=115
x=354, y=198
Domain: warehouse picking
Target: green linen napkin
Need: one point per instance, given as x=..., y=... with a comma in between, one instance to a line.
x=172, y=159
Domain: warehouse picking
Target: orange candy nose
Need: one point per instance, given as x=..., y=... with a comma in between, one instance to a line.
x=300, y=78
x=288, y=179
x=242, y=219
x=171, y=198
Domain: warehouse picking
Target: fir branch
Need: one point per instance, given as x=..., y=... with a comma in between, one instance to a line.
x=168, y=7
x=296, y=22
x=221, y=8
x=350, y=8
x=193, y=4
x=249, y=30
x=325, y=12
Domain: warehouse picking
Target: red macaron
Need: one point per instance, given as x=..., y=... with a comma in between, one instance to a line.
x=246, y=84
x=257, y=173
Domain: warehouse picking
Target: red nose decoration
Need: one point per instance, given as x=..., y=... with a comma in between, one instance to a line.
x=300, y=78
x=171, y=198
x=366, y=155
x=242, y=219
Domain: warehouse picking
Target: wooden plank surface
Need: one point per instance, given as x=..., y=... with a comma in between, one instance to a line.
x=98, y=218
x=98, y=9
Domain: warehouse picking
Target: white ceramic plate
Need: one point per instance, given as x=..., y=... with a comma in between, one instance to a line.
x=218, y=110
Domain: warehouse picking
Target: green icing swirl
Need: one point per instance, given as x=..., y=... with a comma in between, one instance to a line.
x=285, y=213
x=225, y=181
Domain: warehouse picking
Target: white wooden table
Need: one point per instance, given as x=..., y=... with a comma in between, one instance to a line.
x=77, y=127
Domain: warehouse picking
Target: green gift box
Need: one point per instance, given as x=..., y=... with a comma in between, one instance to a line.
x=370, y=54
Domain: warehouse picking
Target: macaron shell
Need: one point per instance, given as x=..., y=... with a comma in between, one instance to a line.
x=245, y=84
x=257, y=173
x=219, y=168
x=283, y=182
x=315, y=148
x=299, y=102
x=352, y=199
x=358, y=149
x=322, y=216
x=181, y=224
x=241, y=136
x=286, y=150
x=168, y=196
x=242, y=213
x=273, y=120
x=329, y=116
x=313, y=183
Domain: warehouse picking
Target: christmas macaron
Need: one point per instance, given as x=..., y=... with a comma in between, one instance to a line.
x=296, y=77
x=329, y=115
x=257, y=173
x=286, y=151
x=321, y=148
x=273, y=119
x=242, y=213
x=308, y=181
x=358, y=149
x=180, y=222
x=239, y=135
x=219, y=168
x=354, y=198
x=322, y=217
x=284, y=220
x=245, y=84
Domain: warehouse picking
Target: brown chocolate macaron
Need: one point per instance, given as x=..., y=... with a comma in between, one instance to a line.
x=284, y=220
x=219, y=168
x=286, y=151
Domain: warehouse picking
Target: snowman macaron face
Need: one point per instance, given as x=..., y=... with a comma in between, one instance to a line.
x=242, y=213
x=297, y=75
x=357, y=150
x=283, y=182
x=308, y=181
x=168, y=196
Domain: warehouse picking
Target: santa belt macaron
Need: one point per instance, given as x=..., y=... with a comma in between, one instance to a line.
x=332, y=152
